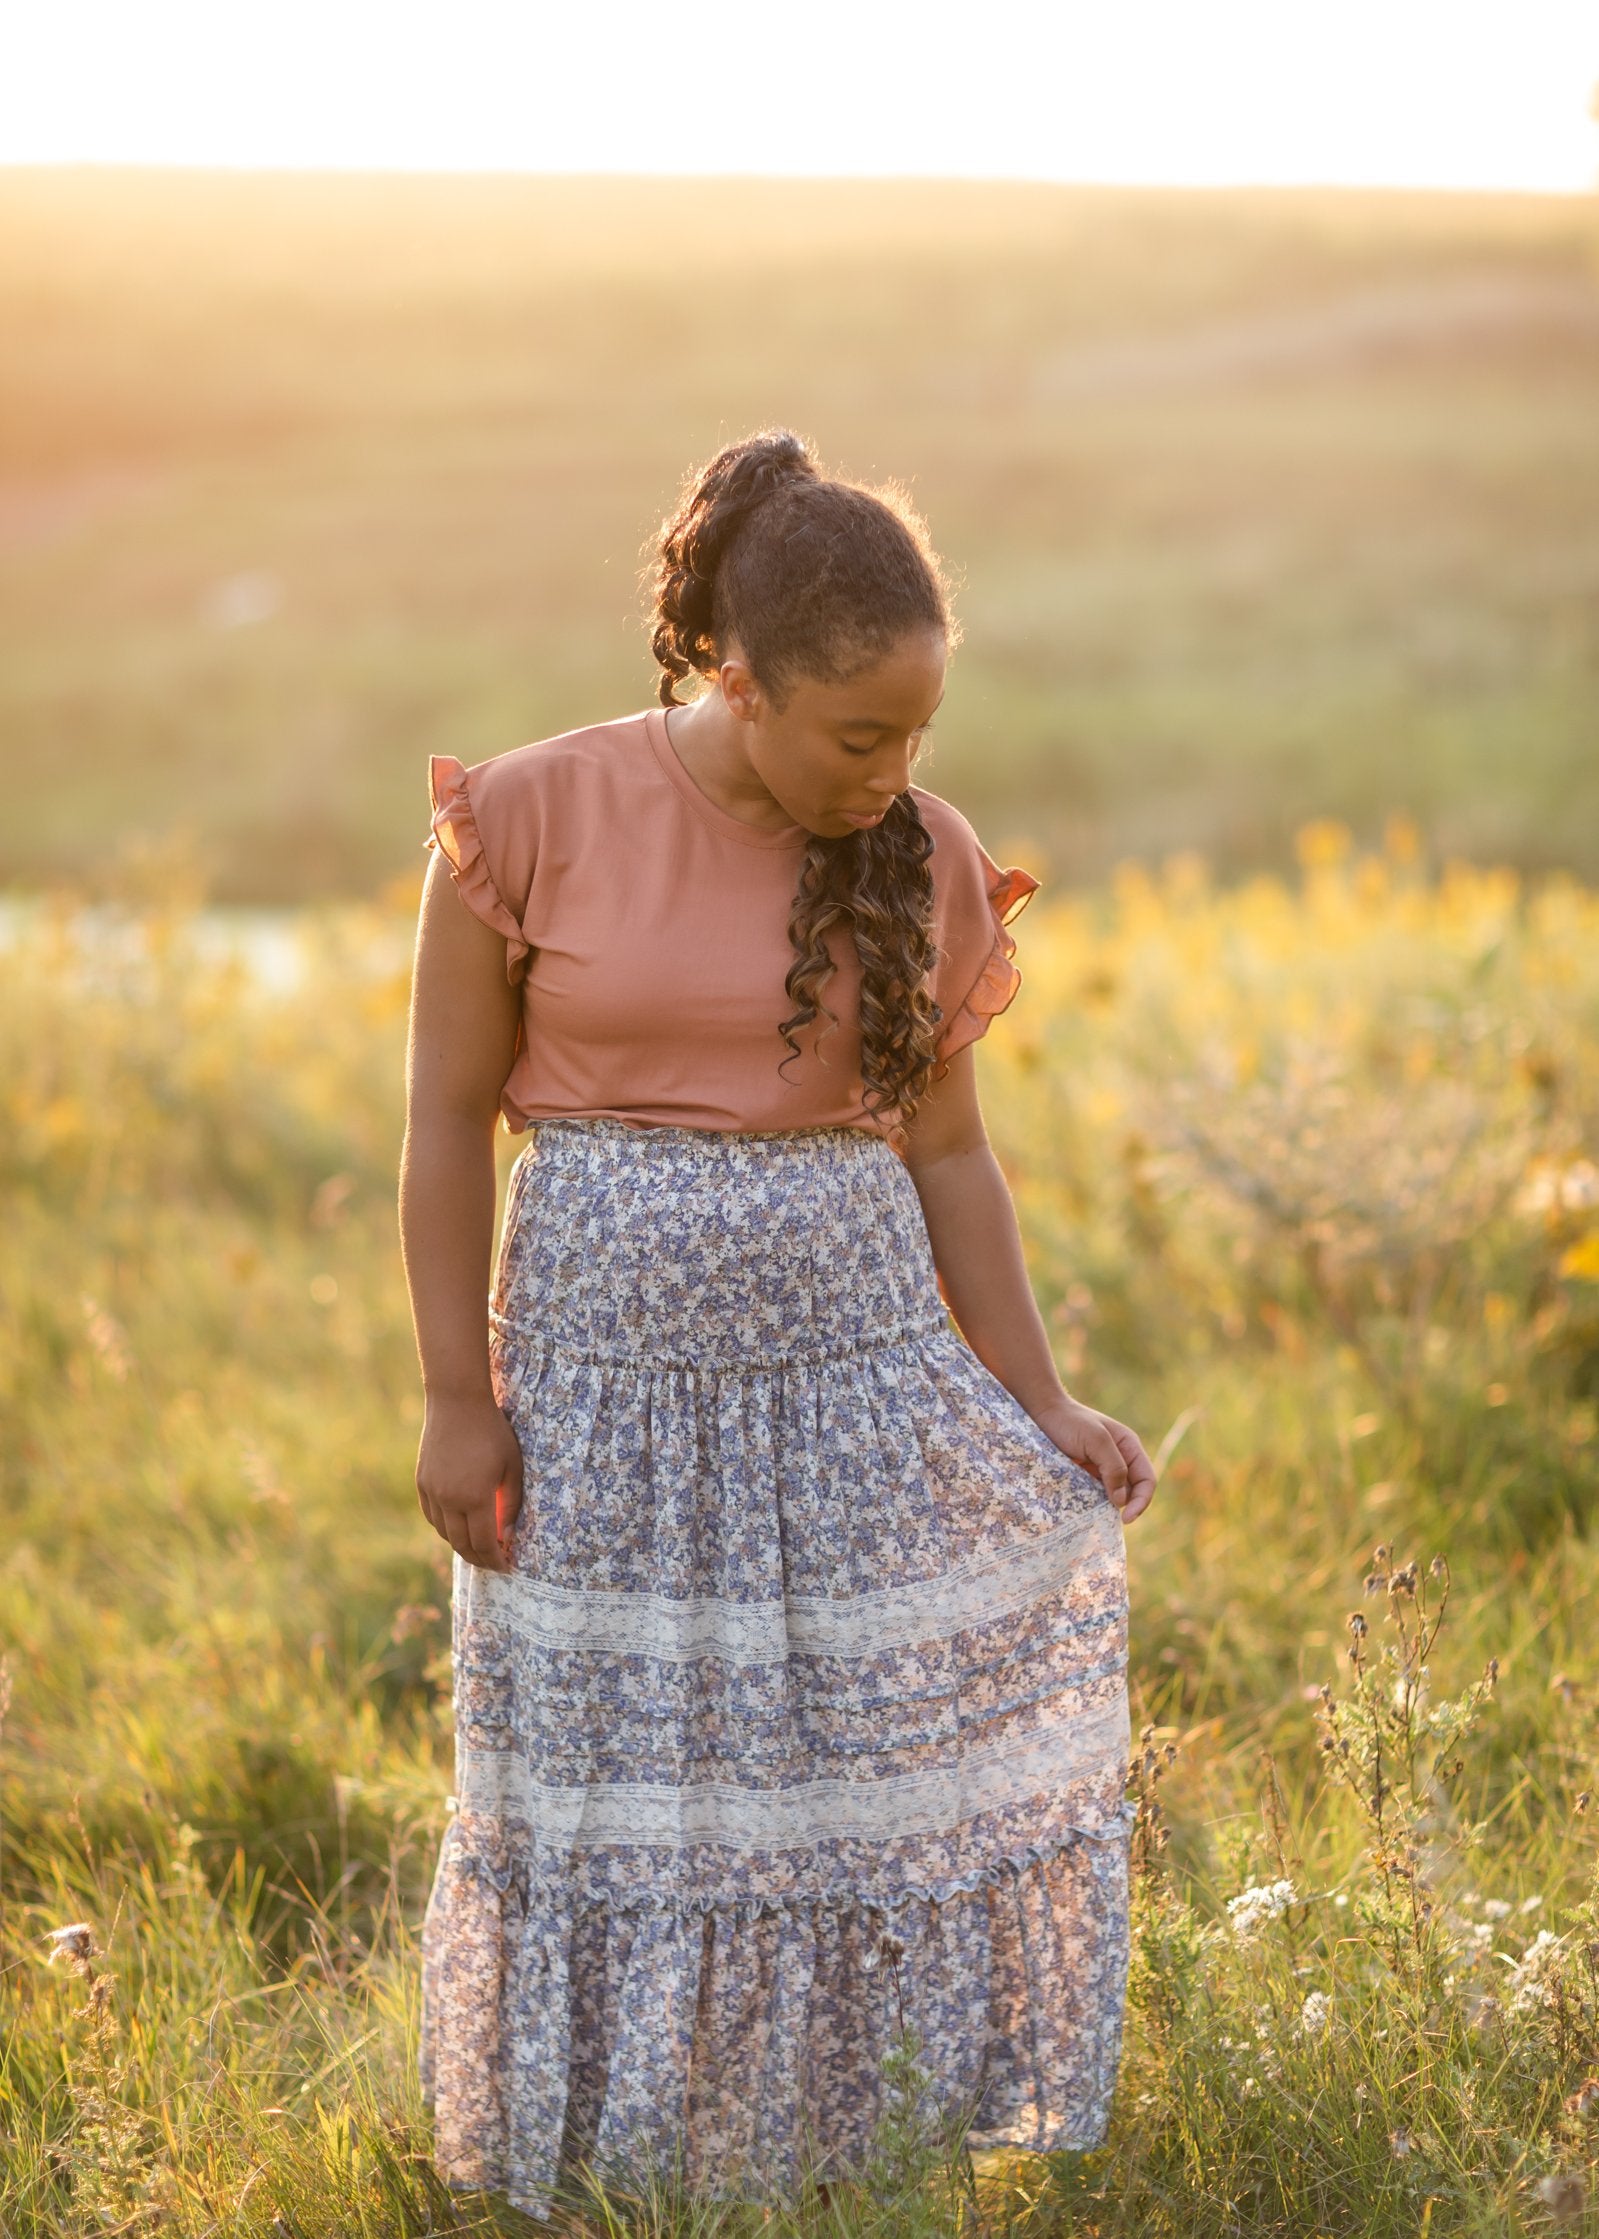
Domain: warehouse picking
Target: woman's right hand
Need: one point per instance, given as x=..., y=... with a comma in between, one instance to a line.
x=469, y=1477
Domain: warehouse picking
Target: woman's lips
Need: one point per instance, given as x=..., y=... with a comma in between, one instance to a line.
x=863, y=823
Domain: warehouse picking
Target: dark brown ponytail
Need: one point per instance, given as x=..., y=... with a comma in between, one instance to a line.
x=818, y=578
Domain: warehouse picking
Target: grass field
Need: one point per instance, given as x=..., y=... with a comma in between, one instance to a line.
x=1266, y=506
x=1306, y=1172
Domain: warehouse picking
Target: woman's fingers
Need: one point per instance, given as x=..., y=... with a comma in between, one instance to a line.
x=472, y=1531
x=483, y=1544
x=469, y=1481
x=1139, y=1478
x=508, y=1496
x=1108, y=1464
x=1114, y=1454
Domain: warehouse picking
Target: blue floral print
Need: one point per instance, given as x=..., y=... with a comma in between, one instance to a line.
x=813, y=1651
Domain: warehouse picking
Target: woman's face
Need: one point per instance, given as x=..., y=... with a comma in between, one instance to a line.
x=839, y=753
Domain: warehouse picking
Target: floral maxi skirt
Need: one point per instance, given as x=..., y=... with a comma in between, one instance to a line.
x=802, y=1715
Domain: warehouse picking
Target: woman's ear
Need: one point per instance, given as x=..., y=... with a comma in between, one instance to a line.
x=739, y=687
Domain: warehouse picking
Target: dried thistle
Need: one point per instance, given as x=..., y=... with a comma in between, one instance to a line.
x=1565, y=2196
x=1395, y=1750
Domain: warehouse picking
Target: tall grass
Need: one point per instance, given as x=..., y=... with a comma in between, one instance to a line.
x=1307, y=1174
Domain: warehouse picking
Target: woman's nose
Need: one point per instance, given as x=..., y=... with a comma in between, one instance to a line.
x=892, y=782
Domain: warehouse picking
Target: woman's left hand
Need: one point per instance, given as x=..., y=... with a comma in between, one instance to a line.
x=1107, y=1449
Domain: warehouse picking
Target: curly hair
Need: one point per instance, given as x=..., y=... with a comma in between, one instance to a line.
x=817, y=578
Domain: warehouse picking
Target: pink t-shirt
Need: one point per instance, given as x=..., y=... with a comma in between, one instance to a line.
x=648, y=930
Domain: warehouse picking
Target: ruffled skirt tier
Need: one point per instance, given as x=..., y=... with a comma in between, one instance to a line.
x=802, y=1715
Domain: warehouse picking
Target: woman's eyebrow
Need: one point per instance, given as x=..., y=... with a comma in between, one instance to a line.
x=873, y=723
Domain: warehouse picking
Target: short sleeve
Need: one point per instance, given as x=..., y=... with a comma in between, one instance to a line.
x=977, y=976
x=479, y=855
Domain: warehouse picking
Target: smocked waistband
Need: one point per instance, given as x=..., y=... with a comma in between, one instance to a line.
x=708, y=1142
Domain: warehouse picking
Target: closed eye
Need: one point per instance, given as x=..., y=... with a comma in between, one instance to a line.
x=916, y=736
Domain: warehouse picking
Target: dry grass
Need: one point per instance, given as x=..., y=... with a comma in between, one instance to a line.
x=1307, y=1174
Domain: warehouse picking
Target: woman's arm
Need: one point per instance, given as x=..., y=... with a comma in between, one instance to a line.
x=463, y=1025
x=977, y=1249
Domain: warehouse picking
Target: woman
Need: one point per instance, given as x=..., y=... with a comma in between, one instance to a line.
x=789, y=1624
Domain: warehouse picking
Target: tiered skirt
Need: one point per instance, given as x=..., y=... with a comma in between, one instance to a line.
x=802, y=1716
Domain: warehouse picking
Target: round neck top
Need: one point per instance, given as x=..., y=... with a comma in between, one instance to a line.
x=732, y=827
x=647, y=928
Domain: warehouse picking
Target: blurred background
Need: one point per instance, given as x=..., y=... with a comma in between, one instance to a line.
x=347, y=375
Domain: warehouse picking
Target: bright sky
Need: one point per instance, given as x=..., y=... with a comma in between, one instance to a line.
x=1202, y=92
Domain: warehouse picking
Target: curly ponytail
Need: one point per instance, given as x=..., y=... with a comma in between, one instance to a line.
x=818, y=578
x=716, y=503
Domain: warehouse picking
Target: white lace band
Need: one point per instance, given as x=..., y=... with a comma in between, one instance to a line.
x=990, y=1777
x=605, y=1621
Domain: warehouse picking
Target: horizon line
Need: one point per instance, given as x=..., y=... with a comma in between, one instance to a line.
x=332, y=169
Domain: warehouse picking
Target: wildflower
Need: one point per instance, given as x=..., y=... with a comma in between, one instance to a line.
x=1484, y=2011
x=76, y=1942
x=1495, y=1908
x=1476, y=1933
x=1409, y=1688
x=1584, y=2101
x=1315, y=2013
x=1548, y=1188
x=414, y=1617
x=1530, y=1983
x=1400, y=2143
x=107, y=1336
x=886, y=1950
x=1565, y=2197
x=1257, y=1904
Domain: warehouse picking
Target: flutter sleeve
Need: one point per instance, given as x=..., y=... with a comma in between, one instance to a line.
x=486, y=836
x=977, y=976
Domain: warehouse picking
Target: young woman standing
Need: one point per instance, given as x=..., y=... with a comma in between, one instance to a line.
x=789, y=1621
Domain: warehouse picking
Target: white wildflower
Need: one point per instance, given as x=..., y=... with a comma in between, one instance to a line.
x=1409, y=1688
x=1472, y=1935
x=1531, y=1977
x=74, y=1942
x=1495, y=1908
x=1315, y=2013
x=1565, y=2196
x=1579, y=1185
x=1574, y=1188
x=1262, y=1902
